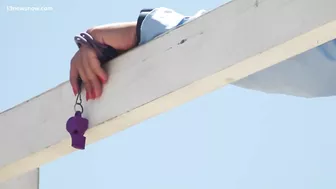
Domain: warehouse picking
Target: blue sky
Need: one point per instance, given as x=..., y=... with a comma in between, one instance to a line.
x=231, y=138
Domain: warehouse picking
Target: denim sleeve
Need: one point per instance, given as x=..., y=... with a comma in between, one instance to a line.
x=161, y=20
x=157, y=22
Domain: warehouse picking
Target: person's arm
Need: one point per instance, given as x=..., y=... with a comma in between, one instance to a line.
x=121, y=36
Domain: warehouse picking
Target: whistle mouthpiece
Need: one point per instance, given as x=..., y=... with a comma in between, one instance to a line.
x=78, y=141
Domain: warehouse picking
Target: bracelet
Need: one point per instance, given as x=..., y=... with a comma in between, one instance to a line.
x=104, y=53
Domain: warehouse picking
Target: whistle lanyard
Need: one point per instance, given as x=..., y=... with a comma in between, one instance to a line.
x=77, y=125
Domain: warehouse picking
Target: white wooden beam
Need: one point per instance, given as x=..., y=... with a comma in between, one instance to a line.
x=225, y=45
x=30, y=180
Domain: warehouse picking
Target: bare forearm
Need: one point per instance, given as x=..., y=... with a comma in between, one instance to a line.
x=121, y=36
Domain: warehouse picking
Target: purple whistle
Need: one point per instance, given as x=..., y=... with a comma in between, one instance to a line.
x=77, y=126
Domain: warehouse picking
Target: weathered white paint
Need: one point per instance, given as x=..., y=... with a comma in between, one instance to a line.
x=29, y=180
x=221, y=47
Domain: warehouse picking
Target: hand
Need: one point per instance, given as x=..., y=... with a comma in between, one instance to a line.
x=85, y=63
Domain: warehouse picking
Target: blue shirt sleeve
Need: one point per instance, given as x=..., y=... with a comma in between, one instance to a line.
x=161, y=20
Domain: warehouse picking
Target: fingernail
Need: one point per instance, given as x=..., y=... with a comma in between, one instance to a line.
x=74, y=91
x=103, y=80
x=87, y=96
x=93, y=95
x=96, y=95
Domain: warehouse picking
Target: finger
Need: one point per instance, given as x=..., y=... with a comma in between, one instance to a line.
x=97, y=88
x=95, y=84
x=74, y=74
x=73, y=79
x=96, y=67
x=93, y=62
x=83, y=76
x=89, y=74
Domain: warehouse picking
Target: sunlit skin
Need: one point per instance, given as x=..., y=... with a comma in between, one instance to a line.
x=121, y=36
